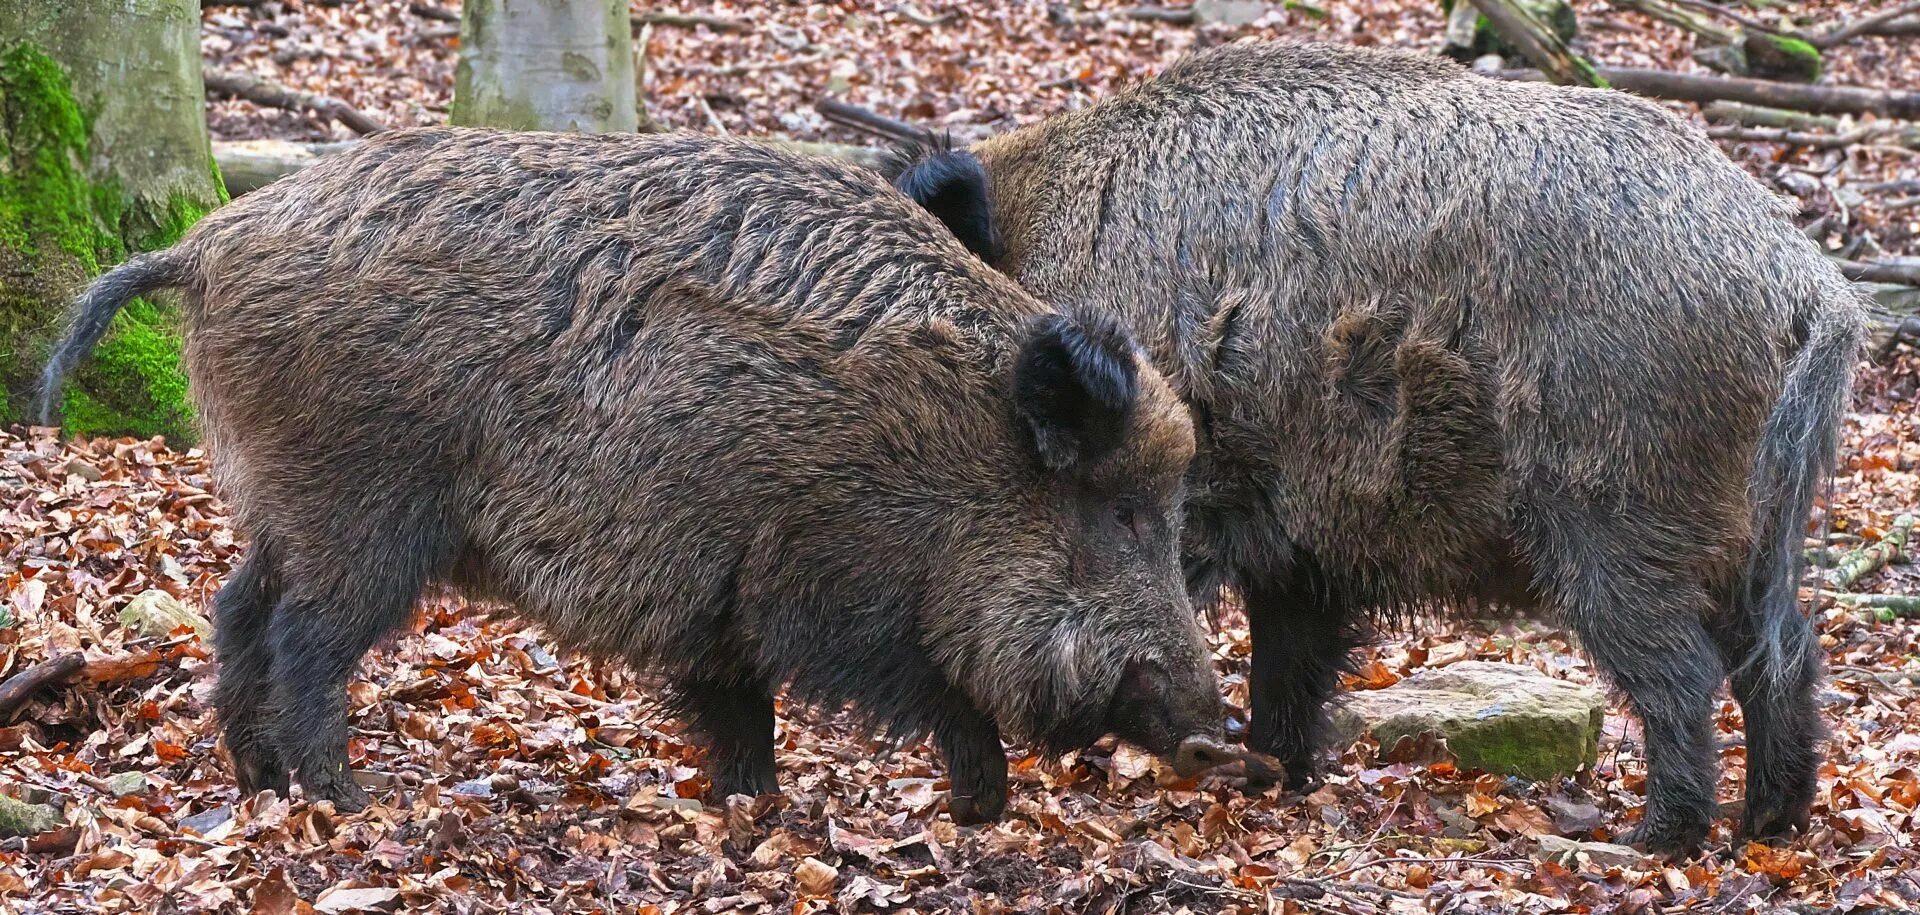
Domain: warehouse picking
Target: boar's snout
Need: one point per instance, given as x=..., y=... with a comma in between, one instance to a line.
x=1199, y=753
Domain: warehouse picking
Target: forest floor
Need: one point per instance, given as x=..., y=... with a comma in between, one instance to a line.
x=510, y=778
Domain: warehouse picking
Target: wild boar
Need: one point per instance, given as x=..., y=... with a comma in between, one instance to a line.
x=1456, y=341
x=741, y=418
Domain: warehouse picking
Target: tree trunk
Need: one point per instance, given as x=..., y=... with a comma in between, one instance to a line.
x=541, y=65
x=103, y=120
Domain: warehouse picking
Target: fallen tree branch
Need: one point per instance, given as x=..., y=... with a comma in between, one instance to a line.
x=871, y=122
x=1866, y=560
x=918, y=16
x=429, y=11
x=1762, y=116
x=1880, y=24
x=1538, y=43
x=252, y=88
x=1901, y=186
x=1904, y=272
x=1883, y=608
x=1885, y=23
x=1895, y=135
x=1689, y=87
x=1727, y=14
x=1674, y=13
x=690, y=20
x=755, y=66
x=1177, y=15
x=20, y=687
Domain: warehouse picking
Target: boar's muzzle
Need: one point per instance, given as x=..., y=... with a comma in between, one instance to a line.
x=1199, y=753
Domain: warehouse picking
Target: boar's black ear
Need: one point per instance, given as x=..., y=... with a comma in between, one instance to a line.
x=1073, y=384
x=952, y=185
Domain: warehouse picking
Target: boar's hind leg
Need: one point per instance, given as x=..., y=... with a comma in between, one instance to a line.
x=324, y=624
x=1304, y=633
x=1783, y=724
x=738, y=724
x=976, y=766
x=1641, y=620
x=242, y=612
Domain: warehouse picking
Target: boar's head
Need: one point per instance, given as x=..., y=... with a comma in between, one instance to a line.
x=1080, y=623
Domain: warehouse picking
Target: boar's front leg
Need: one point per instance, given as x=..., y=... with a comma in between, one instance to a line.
x=1304, y=633
x=737, y=721
x=976, y=766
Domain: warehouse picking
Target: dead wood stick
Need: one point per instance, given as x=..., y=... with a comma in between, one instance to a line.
x=1729, y=15
x=1675, y=13
x=689, y=21
x=1689, y=87
x=21, y=686
x=871, y=122
x=1176, y=15
x=755, y=66
x=1762, y=116
x=1905, y=272
x=1537, y=42
x=263, y=92
x=918, y=16
x=1865, y=561
x=1885, y=134
x=429, y=11
x=1879, y=24
x=1882, y=608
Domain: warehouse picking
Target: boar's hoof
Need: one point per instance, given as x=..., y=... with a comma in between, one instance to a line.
x=1262, y=771
x=1199, y=753
x=255, y=775
x=1772, y=819
x=973, y=811
x=1671, y=840
x=339, y=788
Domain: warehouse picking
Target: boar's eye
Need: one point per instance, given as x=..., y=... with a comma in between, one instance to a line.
x=1128, y=519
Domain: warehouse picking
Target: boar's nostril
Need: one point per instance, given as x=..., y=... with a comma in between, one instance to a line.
x=1198, y=754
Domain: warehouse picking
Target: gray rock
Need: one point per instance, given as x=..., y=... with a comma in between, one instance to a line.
x=83, y=470
x=19, y=818
x=1228, y=12
x=1572, y=817
x=1500, y=718
x=1569, y=852
x=126, y=783
x=155, y=614
x=208, y=820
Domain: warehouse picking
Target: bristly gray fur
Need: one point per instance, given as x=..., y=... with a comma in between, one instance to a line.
x=1456, y=339
x=744, y=418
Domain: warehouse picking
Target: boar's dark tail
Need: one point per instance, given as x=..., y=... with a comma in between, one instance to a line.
x=93, y=313
x=1796, y=455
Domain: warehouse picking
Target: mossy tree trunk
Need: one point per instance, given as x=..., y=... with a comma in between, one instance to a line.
x=545, y=65
x=106, y=153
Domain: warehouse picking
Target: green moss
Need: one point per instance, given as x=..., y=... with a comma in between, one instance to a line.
x=44, y=195
x=58, y=227
x=1530, y=747
x=1780, y=57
